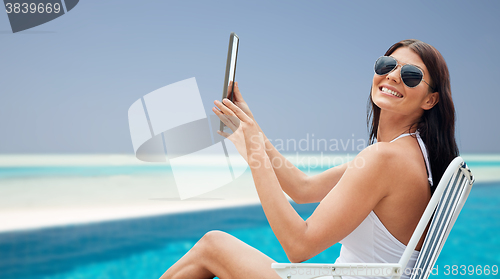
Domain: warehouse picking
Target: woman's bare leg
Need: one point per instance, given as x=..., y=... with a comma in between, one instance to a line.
x=222, y=255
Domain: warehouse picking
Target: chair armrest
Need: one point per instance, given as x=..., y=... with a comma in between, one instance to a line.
x=309, y=270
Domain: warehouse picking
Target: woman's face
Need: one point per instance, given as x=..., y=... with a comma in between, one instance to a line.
x=409, y=101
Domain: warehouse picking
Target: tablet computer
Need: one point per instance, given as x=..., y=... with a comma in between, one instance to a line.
x=232, y=55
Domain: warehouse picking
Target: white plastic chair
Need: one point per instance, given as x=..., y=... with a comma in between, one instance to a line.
x=444, y=207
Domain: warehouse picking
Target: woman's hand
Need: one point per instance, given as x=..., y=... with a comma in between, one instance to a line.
x=253, y=137
x=238, y=99
x=246, y=135
x=233, y=123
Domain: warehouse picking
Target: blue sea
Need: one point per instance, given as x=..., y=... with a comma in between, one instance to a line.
x=104, y=170
x=146, y=247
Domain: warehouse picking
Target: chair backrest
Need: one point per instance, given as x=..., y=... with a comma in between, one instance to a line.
x=445, y=205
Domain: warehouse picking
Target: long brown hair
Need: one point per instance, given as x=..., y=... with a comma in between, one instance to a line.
x=437, y=125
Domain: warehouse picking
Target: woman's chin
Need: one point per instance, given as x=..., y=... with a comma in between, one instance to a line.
x=383, y=103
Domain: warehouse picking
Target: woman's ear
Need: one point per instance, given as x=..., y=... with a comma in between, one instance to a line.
x=430, y=101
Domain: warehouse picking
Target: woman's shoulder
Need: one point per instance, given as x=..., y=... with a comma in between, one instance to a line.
x=390, y=158
x=402, y=161
x=383, y=152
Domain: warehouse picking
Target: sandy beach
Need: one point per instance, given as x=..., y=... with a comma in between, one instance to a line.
x=30, y=203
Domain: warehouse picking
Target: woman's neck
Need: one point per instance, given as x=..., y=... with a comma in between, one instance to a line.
x=391, y=125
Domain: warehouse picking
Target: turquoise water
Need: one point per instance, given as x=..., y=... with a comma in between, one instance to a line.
x=145, y=248
x=33, y=171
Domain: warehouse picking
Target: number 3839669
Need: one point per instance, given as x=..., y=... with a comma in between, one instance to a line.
x=33, y=8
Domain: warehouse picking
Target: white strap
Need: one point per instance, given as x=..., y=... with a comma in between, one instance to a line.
x=424, y=152
x=426, y=157
x=403, y=135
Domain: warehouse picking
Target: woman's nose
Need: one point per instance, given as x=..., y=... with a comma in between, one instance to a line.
x=395, y=75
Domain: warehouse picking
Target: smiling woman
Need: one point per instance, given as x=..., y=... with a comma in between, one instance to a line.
x=370, y=205
x=436, y=125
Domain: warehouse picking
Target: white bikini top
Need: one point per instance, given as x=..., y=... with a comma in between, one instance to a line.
x=424, y=152
x=371, y=242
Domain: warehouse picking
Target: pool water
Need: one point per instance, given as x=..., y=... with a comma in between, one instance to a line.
x=146, y=247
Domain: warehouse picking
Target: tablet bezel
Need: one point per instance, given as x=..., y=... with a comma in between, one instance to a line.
x=230, y=51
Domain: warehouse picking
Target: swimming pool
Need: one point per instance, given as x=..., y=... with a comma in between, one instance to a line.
x=146, y=247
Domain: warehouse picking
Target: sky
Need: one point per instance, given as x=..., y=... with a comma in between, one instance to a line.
x=304, y=67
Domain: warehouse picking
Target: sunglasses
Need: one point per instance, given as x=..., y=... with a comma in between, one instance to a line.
x=410, y=74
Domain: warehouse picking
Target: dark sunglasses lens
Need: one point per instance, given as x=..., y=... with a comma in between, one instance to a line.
x=411, y=75
x=384, y=65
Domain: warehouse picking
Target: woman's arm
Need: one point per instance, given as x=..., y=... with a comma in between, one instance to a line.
x=364, y=183
x=298, y=185
x=294, y=182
